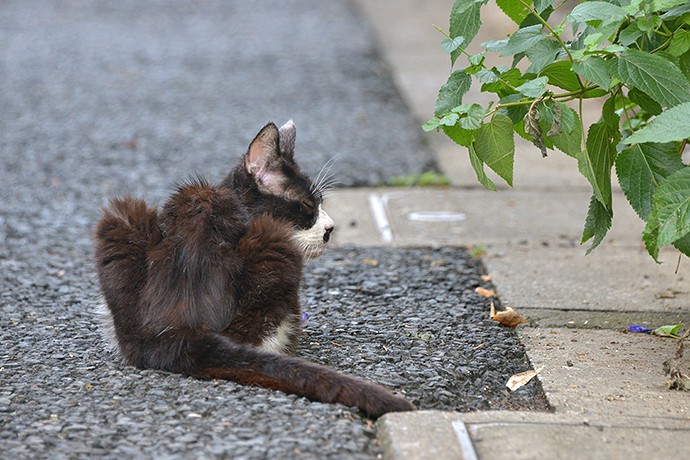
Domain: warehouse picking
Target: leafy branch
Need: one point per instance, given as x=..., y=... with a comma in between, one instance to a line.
x=633, y=55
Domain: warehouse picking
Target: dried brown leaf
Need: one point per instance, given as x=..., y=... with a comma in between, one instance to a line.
x=372, y=262
x=507, y=317
x=557, y=119
x=533, y=128
x=485, y=292
x=519, y=380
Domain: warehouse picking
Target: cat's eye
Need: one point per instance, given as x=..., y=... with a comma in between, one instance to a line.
x=307, y=206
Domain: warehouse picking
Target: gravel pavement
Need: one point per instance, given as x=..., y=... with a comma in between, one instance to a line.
x=406, y=318
x=167, y=87
x=100, y=98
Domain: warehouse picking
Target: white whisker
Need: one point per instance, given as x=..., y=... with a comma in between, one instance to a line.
x=324, y=175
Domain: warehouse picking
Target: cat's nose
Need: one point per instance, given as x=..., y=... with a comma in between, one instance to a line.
x=327, y=234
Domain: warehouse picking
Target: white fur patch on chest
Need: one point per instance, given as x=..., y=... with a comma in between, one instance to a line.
x=280, y=341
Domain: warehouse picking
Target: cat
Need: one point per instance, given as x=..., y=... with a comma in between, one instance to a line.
x=208, y=286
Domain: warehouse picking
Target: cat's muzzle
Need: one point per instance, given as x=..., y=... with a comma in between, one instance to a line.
x=313, y=240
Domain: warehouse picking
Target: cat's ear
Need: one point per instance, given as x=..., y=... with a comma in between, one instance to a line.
x=287, y=138
x=263, y=151
x=262, y=160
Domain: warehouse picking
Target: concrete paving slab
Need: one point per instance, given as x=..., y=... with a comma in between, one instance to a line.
x=530, y=435
x=606, y=373
x=436, y=216
x=609, y=279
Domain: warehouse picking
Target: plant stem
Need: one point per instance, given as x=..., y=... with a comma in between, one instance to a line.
x=555, y=35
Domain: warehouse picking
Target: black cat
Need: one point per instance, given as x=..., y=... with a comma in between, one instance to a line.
x=209, y=285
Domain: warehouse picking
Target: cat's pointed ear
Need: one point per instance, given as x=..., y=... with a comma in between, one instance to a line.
x=263, y=160
x=287, y=138
x=263, y=151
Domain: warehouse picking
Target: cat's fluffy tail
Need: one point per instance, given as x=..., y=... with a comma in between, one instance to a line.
x=214, y=356
x=122, y=237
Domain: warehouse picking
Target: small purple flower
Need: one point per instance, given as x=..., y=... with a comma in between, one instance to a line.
x=305, y=318
x=637, y=328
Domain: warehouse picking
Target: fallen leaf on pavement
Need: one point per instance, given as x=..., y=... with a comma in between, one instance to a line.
x=486, y=278
x=668, y=331
x=521, y=379
x=372, y=262
x=508, y=317
x=485, y=292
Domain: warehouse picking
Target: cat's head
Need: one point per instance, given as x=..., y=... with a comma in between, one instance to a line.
x=278, y=187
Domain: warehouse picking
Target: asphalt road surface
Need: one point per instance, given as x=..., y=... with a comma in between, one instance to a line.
x=101, y=98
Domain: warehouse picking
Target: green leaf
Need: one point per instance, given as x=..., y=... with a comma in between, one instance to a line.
x=680, y=43
x=486, y=76
x=594, y=69
x=473, y=118
x=664, y=5
x=629, y=34
x=459, y=135
x=495, y=146
x=684, y=64
x=657, y=77
x=517, y=112
x=451, y=44
x=495, y=45
x=650, y=234
x=569, y=142
x=683, y=244
x=465, y=22
x=533, y=88
x=513, y=77
x=431, y=124
x=609, y=115
x=669, y=219
x=597, y=223
x=596, y=11
x=542, y=54
x=668, y=331
x=560, y=73
x=449, y=120
x=478, y=166
x=597, y=161
x=523, y=39
x=514, y=9
x=645, y=102
x=671, y=125
x=677, y=11
x=477, y=59
x=541, y=6
x=451, y=93
x=648, y=24
x=640, y=170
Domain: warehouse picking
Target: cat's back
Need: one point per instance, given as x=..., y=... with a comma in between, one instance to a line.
x=201, y=213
